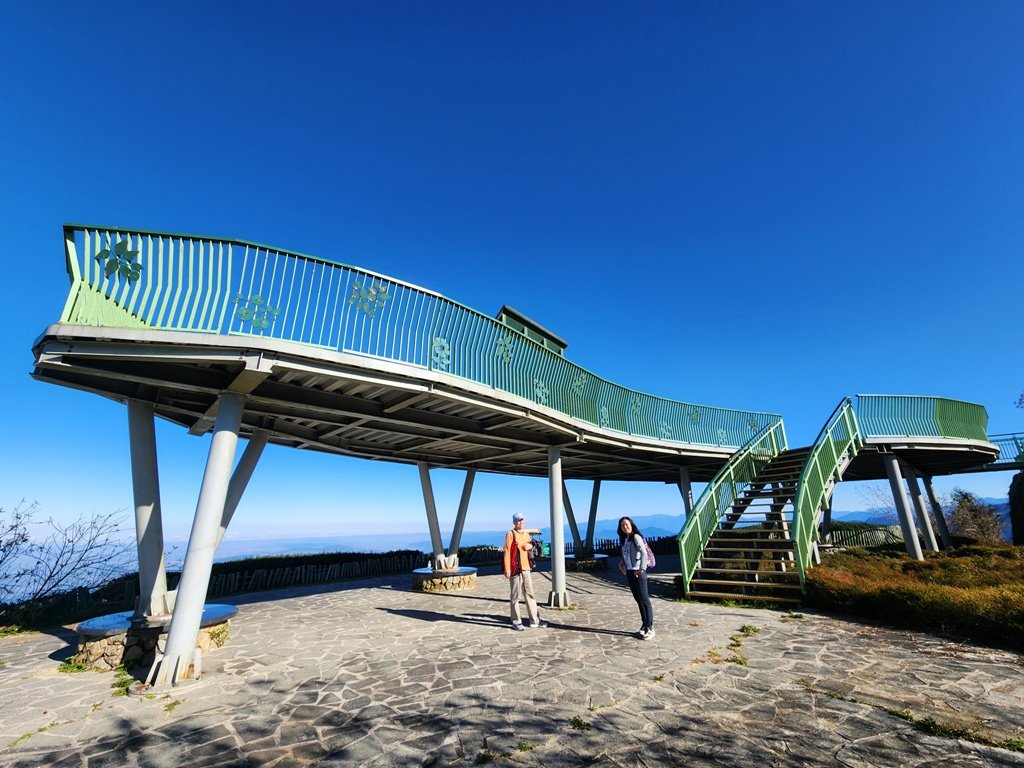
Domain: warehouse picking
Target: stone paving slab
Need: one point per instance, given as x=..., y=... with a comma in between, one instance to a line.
x=372, y=673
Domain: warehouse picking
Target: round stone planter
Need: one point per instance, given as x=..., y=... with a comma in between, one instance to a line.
x=454, y=580
x=115, y=640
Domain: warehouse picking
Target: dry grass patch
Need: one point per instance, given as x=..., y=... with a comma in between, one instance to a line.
x=973, y=592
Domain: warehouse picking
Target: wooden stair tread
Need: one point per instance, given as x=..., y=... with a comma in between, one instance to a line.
x=736, y=574
x=768, y=585
x=742, y=598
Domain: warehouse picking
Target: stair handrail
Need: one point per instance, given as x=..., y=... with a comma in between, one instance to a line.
x=839, y=439
x=723, y=489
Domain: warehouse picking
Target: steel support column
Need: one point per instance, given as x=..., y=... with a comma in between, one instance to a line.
x=437, y=557
x=922, y=514
x=149, y=534
x=826, y=521
x=460, y=518
x=180, y=660
x=592, y=519
x=558, y=597
x=940, y=516
x=240, y=478
x=686, y=491
x=577, y=542
x=899, y=496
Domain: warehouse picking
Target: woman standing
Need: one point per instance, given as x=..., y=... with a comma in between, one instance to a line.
x=634, y=566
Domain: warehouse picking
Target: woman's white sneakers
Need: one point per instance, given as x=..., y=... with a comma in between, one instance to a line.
x=646, y=633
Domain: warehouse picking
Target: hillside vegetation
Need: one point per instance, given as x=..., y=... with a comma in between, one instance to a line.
x=973, y=592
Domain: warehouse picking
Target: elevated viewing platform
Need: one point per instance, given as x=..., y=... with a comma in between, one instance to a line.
x=343, y=360
x=346, y=361
x=241, y=340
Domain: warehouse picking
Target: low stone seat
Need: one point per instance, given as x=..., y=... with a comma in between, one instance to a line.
x=119, y=639
x=450, y=580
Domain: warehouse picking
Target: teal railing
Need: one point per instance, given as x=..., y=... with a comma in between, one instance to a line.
x=908, y=416
x=723, y=490
x=1011, y=451
x=138, y=279
x=840, y=438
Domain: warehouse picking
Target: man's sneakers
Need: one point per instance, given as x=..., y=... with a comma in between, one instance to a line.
x=647, y=633
x=518, y=626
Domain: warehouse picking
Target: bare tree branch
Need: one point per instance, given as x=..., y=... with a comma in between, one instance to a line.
x=87, y=552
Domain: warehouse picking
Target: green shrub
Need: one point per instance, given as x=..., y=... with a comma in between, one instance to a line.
x=975, y=592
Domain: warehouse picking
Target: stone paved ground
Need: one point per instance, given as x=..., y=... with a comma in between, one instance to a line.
x=371, y=673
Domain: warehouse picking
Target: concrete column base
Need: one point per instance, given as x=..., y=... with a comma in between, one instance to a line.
x=558, y=600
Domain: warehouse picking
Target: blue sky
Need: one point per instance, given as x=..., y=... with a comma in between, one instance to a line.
x=764, y=206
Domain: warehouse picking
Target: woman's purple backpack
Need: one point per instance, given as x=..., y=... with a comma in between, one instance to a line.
x=651, y=561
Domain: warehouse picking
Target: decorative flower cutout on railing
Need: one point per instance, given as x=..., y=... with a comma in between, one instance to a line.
x=722, y=435
x=605, y=417
x=441, y=353
x=540, y=391
x=252, y=309
x=369, y=298
x=635, y=404
x=120, y=261
x=578, y=384
x=694, y=416
x=504, y=348
x=752, y=425
x=664, y=430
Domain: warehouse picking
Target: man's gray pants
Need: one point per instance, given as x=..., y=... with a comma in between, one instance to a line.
x=521, y=587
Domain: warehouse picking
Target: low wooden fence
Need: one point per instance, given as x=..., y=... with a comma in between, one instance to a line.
x=660, y=545
x=842, y=538
x=234, y=582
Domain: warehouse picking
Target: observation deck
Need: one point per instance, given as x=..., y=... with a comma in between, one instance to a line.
x=342, y=360
x=238, y=339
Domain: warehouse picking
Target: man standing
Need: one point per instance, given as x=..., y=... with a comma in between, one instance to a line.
x=517, y=571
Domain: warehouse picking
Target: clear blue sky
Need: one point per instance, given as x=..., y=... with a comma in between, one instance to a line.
x=765, y=206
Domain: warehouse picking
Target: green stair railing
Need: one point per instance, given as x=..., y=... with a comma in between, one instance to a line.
x=723, y=490
x=839, y=440
x=157, y=280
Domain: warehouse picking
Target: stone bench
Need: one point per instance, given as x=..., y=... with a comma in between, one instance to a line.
x=596, y=562
x=115, y=640
x=454, y=580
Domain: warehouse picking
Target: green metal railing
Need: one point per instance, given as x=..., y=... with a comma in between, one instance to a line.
x=723, y=490
x=1011, y=451
x=840, y=438
x=908, y=416
x=138, y=279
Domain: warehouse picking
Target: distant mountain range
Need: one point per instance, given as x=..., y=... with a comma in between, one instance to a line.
x=652, y=526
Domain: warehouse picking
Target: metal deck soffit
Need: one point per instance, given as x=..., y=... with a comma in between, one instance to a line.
x=351, y=404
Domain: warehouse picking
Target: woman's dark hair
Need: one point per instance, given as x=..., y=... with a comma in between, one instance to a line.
x=618, y=530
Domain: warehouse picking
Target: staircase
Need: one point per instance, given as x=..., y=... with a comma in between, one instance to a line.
x=749, y=556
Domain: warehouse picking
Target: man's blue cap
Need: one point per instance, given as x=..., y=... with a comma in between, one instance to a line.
x=517, y=517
